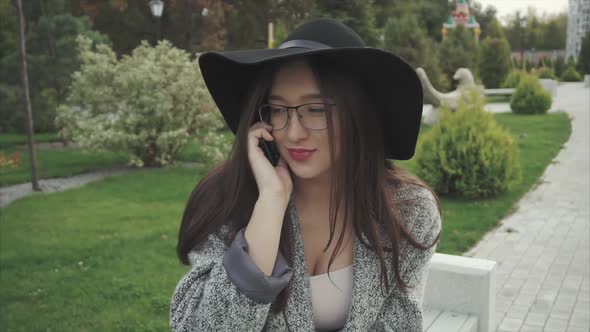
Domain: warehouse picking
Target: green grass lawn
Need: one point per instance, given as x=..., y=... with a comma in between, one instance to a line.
x=102, y=257
x=98, y=258
x=7, y=140
x=58, y=163
x=66, y=162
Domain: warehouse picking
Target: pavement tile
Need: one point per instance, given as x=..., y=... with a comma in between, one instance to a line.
x=510, y=325
x=555, y=325
x=580, y=318
x=535, y=319
x=543, y=278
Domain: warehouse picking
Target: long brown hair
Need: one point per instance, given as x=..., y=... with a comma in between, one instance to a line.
x=362, y=182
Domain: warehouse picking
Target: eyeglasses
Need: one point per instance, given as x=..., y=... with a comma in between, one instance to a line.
x=311, y=116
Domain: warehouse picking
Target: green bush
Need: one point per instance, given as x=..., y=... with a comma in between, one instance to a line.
x=559, y=66
x=571, y=75
x=149, y=104
x=547, y=62
x=546, y=72
x=513, y=78
x=467, y=153
x=495, y=61
x=530, y=97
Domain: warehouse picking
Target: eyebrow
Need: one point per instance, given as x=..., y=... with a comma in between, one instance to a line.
x=307, y=96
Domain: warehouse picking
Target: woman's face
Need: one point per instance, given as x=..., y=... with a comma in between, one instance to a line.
x=294, y=84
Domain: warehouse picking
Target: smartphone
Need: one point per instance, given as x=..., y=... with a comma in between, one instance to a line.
x=270, y=151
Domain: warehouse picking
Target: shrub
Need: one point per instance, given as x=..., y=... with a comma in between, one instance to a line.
x=495, y=61
x=559, y=66
x=546, y=72
x=148, y=105
x=513, y=79
x=530, y=97
x=547, y=62
x=467, y=153
x=528, y=64
x=571, y=75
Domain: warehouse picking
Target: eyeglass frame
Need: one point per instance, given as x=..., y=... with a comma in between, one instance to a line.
x=296, y=108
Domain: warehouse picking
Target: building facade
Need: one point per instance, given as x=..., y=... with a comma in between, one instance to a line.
x=461, y=16
x=578, y=23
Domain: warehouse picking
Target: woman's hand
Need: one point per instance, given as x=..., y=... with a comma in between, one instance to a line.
x=272, y=181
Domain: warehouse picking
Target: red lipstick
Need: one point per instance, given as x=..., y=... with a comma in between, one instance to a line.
x=300, y=154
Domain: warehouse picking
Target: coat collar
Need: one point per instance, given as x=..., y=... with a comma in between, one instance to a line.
x=367, y=296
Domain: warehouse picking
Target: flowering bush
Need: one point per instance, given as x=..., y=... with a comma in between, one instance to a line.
x=149, y=105
x=467, y=153
x=13, y=161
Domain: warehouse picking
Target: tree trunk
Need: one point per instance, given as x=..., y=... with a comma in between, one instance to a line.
x=28, y=112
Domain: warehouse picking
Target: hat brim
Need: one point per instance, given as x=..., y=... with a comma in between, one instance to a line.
x=391, y=82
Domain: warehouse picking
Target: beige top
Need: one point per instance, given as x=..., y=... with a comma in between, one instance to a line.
x=331, y=304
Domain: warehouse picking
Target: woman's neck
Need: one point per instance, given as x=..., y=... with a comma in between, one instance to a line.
x=314, y=192
x=312, y=198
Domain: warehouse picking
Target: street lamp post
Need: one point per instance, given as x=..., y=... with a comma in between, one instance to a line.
x=522, y=31
x=157, y=7
x=204, y=14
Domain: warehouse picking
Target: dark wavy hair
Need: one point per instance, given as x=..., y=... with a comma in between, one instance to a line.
x=362, y=181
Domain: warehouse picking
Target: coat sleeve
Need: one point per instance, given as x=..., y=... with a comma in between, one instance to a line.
x=225, y=290
x=402, y=311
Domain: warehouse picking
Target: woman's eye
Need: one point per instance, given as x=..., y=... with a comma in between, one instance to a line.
x=316, y=110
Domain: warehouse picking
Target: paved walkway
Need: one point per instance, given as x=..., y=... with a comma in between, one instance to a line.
x=542, y=249
x=12, y=193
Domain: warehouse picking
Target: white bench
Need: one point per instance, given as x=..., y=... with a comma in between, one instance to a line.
x=499, y=92
x=460, y=294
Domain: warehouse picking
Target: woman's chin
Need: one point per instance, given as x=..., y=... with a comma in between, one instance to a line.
x=304, y=172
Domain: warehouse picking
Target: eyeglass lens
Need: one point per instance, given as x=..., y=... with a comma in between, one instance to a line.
x=311, y=116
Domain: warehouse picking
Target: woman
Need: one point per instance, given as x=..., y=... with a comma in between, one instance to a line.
x=260, y=237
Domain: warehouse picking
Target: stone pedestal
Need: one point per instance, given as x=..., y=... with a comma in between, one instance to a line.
x=549, y=85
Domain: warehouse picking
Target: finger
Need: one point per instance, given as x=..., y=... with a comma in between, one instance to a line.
x=260, y=124
x=261, y=132
x=253, y=141
x=266, y=135
x=258, y=130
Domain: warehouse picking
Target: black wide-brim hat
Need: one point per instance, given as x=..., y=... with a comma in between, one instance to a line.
x=391, y=82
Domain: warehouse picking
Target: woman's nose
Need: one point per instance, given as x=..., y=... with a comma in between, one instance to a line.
x=295, y=130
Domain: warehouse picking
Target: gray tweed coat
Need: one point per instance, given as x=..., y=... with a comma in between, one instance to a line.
x=225, y=291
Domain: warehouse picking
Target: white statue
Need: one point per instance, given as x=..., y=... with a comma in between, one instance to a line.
x=437, y=99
